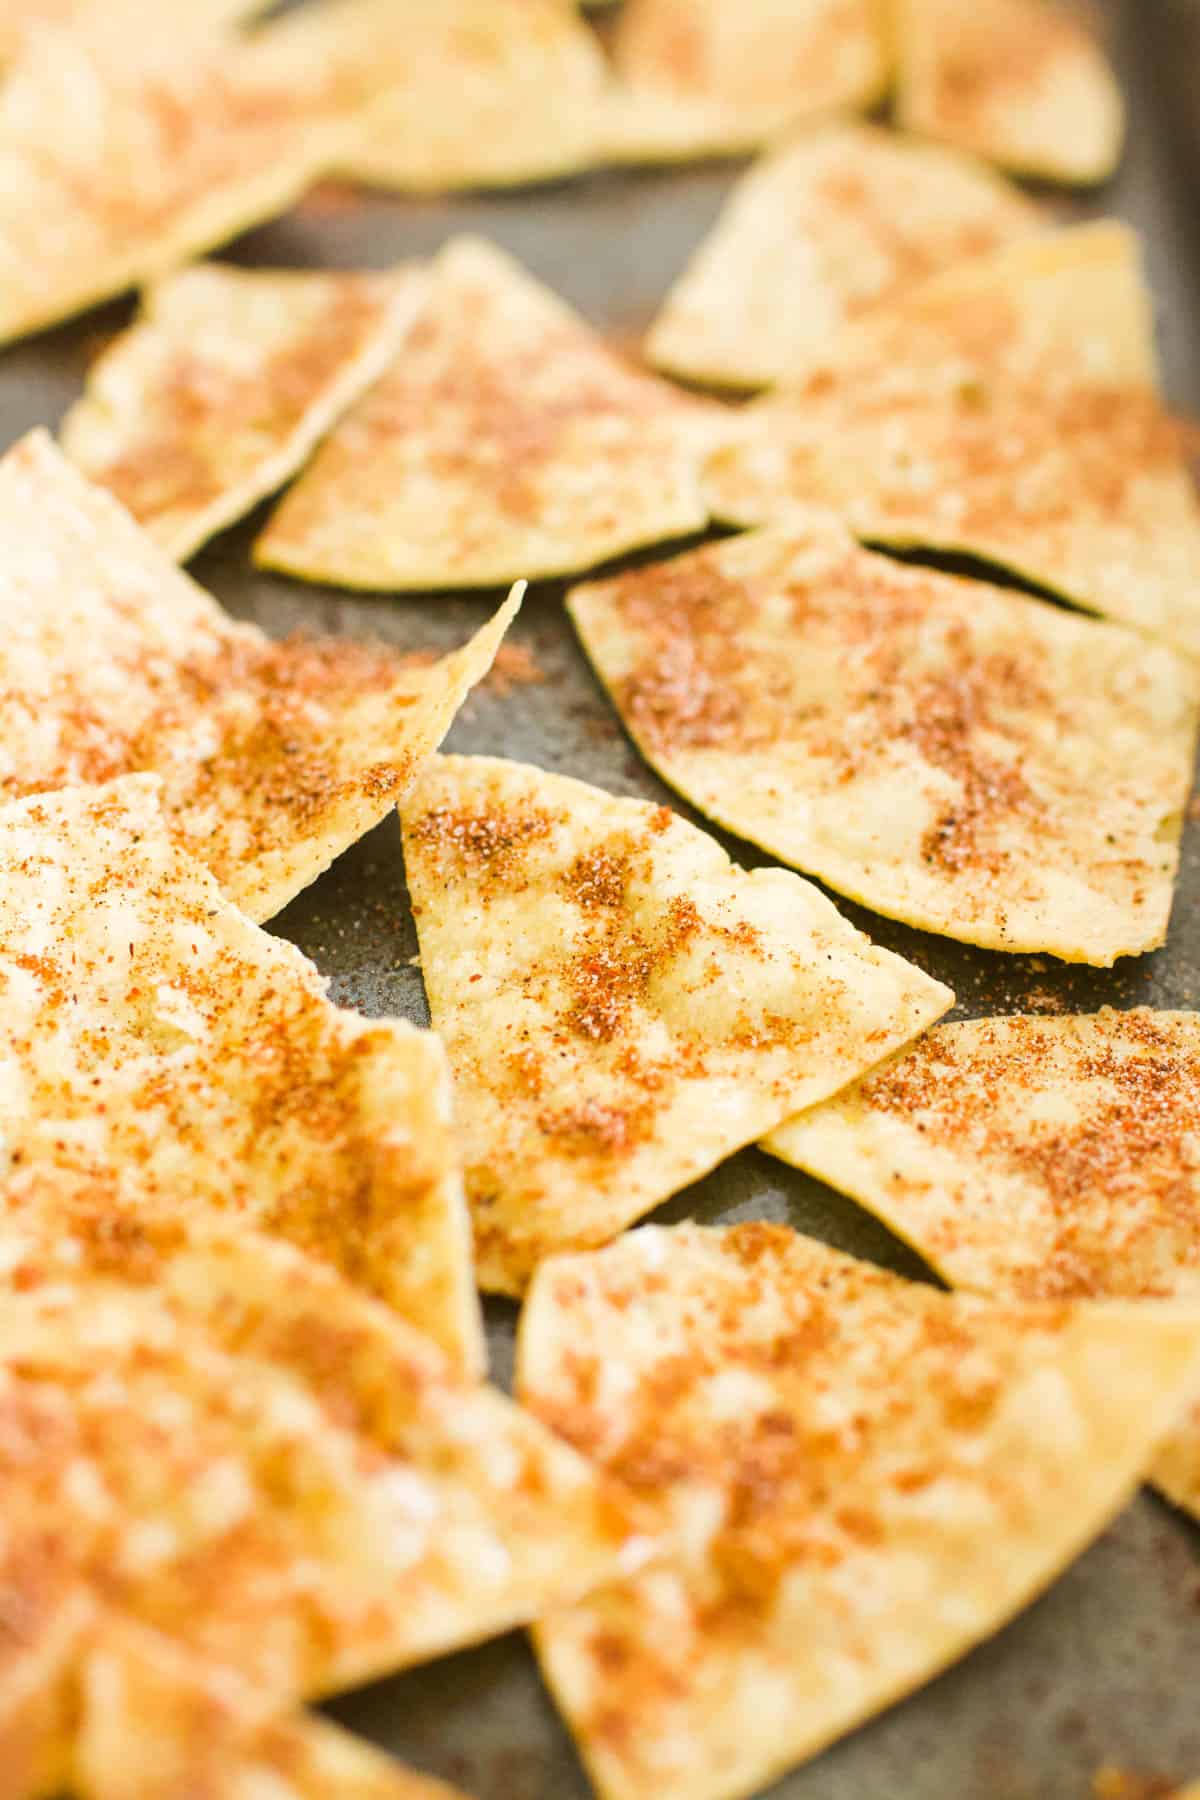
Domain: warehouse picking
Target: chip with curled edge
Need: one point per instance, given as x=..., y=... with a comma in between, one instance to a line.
x=867, y=1476
x=274, y=756
x=957, y=756
x=224, y=386
x=1034, y=1157
x=622, y=1007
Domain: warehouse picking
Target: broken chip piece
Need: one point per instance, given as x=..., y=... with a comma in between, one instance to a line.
x=151, y=1032
x=1008, y=409
x=164, y=142
x=506, y=441
x=1019, y=82
x=867, y=1477
x=275, y=757
x=224, y=387
x=829, y=226
x=622, y=1007
x=957, y=756
x=221, y=1441
x=762, y=65
x=1034, y=1158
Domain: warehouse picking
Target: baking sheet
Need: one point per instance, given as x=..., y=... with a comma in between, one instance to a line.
x=1105, y=1670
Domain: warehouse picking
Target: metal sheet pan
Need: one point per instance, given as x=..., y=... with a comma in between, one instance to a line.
x=1105, y=1670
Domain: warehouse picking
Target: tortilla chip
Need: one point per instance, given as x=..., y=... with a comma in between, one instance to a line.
x=484, y=93
x=23, y=20
x=762, y=65
x=275, y=757
x=1020, y=82
x=122, y=154
x=51, y=1614
x=868, y=1477
x=507, y=440
x=953, y=755
x=820, y=232
x=156, y=1725
x=225, y=386
x=230, y=1084
x=1008, y=409
x=1034, y=1158
x=622, y=1007
x=234, y=1449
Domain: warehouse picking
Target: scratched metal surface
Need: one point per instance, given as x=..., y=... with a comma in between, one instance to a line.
x=1106, y=1667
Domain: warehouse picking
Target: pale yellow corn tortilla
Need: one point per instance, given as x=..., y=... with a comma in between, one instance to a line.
x=1021, y=82
x=155, y=1724
x=151, y=1032
x=1010, y=409
x=867, y=1477
x=222, y=1442
x=959, y=757
x=275, y=756
x=225, y=385
x=831, y=225
x=1034, y=1158
x=21, y=20
x=505, y=441
x=762, y=64
x=619, y=1003
x=122, y=154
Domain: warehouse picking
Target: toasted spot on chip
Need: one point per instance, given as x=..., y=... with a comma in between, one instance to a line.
x=829, y=226
x=756, y=67
x=620, y=1004
x=275, y=757
x=954, y=755
x=1020, y=82
x=1010, y=409
x=506, y=441
x=124, y=152
x=1034, y=1158
x=226, y=1444
x=156, y=1724
x=151, y=1033
x=866, y=1476
x=225, y=385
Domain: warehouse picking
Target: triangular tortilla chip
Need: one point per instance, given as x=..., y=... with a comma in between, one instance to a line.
x=764, y=63
x=507, y=440
x=868, y=1477
x=224, y=387
x=954, y=755
x=823, y=230
x=156, y=1725
x=481, y=93
x=1020, y=82
x=236, y=1450
x=123, y=153
x=149, y=1028
x=275, y=757
x=1034, y=1157
x=622, y=1007
x=1008, y=409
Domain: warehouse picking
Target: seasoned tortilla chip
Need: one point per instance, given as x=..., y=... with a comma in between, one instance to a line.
x=957, y=756
x=1020, y=82
x=763, y=64
x=122, y=154
x=1008, y=409
x=234, y=1449
x=1034, y=1158
x=274, y=756
x=51, y=1614
x=621, y=1006
x=224, y=387
x=823, y=230
x=868, y=1476
x=506, y=441
x=150, y=1029
x=156, y=1725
